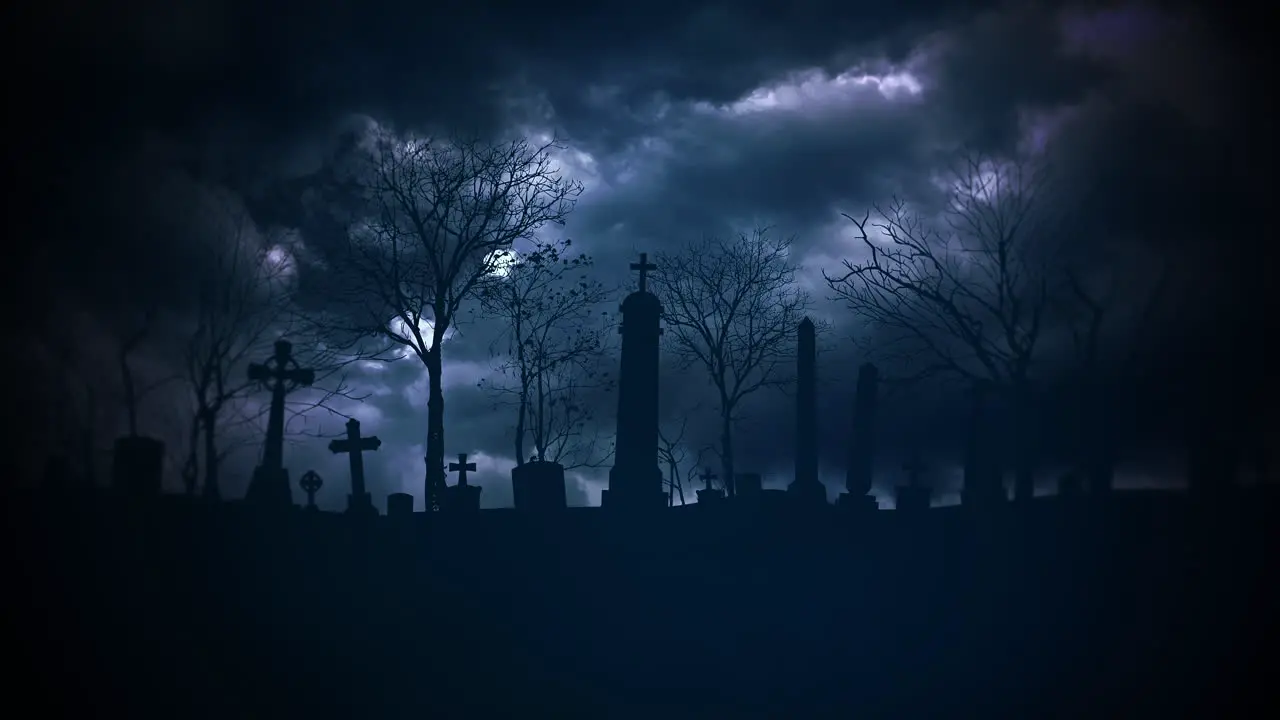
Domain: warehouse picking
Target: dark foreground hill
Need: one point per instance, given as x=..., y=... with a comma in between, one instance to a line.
x=1147, y=604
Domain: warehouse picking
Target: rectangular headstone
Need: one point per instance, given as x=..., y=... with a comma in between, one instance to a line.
x=137, y=466
x=748, y=484
x=538, y=486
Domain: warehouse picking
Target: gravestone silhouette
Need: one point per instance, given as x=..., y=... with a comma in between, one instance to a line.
x=748, y=485
x=635, y=481
x=359, y=501
x=1070, y=485
x=708, y=494
x=806, y=489
x=914, y=496
x=137, y=466
x=400, y=506
x=269, y=487
x=858, y=475
x=463, y=497
x=311, y=482
x=538, y=486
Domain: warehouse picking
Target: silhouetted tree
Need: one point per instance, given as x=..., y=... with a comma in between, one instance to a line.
x=426, y=223
x=1114, y=311
x=966, y=294
x=553, y=351
x=732, y=307
x=241, y=299
x=132, y=392
x=674, y=454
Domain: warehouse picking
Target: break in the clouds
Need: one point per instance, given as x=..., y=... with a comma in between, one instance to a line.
x=679, y=119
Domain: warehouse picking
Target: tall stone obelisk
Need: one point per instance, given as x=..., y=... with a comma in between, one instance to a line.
x=635, y=482
x=806, y=487
x=862, y=442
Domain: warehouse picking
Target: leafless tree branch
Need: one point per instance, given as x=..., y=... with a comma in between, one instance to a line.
x=732, y=308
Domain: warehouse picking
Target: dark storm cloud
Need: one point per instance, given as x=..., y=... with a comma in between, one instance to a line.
x=236, y=93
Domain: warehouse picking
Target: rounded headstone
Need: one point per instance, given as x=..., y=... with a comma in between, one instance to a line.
x=137, y=466
x=399, y=505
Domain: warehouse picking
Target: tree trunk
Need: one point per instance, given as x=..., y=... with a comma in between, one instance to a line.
x=540, y=424
x=435, y=430
x=212, y=490
x=524, y=408
x=726, y=450
x=521, y=415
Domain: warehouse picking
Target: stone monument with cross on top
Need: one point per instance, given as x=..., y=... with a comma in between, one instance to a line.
x=708, y=494
x=269, y=487
x=463, y=497
x=635, y=481
x=358, y=502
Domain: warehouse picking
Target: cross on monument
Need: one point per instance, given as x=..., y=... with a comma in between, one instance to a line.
x=706, y=477
x=311, y=482
x=354, y=446
x=461, y=467
x=282, y=374
x=644, y=266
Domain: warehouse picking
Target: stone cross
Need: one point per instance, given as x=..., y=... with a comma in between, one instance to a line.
x=644, y=266
x=311, y=482
x=282, y=374
x=269, y=487
x=707, y=476
x=461, y=467
x=355, y=446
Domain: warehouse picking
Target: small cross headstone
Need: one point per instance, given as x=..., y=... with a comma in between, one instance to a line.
x=463, y=497
x=355, y=446
x=311, y=482
x=644, y=266
x=461, y=467
x=708, y=494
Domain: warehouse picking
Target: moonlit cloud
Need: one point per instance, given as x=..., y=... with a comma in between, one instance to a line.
x=813, y=91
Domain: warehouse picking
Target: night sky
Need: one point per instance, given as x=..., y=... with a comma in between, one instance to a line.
x=680, y=120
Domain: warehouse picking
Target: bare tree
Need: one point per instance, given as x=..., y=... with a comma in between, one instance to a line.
x=240, y=300
x=674, y=453
x=427, y=221
x=132, y=391
x=966, y=295
x=1114, y=310
x=553, y=354
x=732, y=308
